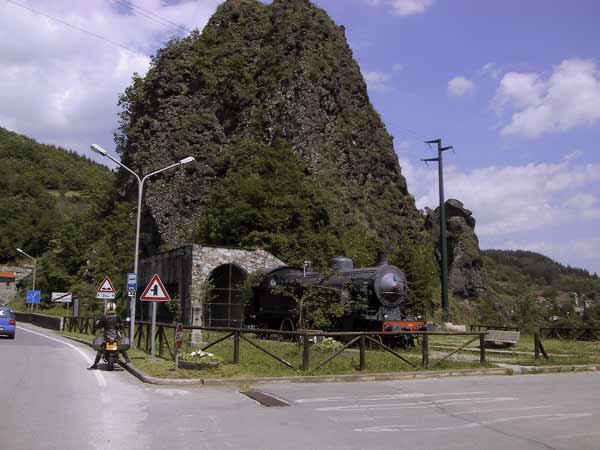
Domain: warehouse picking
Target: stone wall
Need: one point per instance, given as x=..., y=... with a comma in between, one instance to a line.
x=206, y=259
x=185, y=272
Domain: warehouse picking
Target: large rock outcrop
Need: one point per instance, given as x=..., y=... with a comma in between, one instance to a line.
x=282, y=71
x=467, y=276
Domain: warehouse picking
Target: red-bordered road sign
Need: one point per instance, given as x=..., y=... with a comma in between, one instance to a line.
x=155, y=291
x=106, y=289
x=106, y=286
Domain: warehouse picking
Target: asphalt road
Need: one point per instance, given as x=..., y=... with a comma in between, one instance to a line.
x=48, y=400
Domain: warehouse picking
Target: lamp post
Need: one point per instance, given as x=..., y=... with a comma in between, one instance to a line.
x=34, y=269
x=96, y=148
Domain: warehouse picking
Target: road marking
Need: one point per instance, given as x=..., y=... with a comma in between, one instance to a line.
x=411, y=428
x=99, y=376
x=527, y=408
x=385, y=397
x=433, y=403
x=574, y=435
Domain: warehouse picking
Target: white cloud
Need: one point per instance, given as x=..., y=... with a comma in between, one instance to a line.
x=60, y=85
x=568, y=99
x=460, y=86
x=573, y=155
x=576, y=252
x=553, y=209
x=404, y=7
x=377, y=81
x=490, y=69
x=513, y=199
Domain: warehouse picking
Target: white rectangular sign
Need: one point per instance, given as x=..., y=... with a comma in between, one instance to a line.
x=105, y=295
x=61, y=297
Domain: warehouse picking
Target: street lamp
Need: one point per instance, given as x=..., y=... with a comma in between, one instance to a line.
x=34, y=268
x=141, y=181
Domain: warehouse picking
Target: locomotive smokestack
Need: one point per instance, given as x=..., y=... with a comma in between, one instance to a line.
x=382, y=259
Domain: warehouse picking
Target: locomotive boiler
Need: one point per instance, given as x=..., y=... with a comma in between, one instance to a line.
x=382, y=289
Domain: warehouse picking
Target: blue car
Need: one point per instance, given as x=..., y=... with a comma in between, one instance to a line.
x=8, y=324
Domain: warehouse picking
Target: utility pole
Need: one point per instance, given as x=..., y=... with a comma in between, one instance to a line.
x=443, y=238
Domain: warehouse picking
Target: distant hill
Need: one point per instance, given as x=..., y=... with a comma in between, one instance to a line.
x=40, y=186
x=513, y=273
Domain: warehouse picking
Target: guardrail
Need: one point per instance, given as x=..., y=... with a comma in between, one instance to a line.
x=41, y=320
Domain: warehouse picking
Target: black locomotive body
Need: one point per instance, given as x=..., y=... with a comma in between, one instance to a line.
x=382, y=287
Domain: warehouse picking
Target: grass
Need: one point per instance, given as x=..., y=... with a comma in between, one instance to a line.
x=53, y=309
x=255, y=363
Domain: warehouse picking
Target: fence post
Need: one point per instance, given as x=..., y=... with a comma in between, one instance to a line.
x=425, y=350
x=362, y=363
x=148, y=338
x=482, y=348
x=536, y=345
x=161, y=333
x=236, y=347
x=306, y=353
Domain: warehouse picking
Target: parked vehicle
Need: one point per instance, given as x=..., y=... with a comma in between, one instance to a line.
x=8, y=323
x=111, y=346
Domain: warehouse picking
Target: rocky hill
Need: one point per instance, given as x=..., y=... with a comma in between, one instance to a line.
x=467, y=276
x=262, y=74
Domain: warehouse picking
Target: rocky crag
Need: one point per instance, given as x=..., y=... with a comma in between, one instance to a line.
x=265, y=73
x=467, y=276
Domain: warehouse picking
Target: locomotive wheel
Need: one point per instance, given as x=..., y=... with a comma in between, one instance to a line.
x=287, y=325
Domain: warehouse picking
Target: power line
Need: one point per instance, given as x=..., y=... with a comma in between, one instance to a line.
x=150, y=15
x=75, y=27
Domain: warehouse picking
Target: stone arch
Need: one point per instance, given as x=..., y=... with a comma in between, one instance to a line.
x=224, y=305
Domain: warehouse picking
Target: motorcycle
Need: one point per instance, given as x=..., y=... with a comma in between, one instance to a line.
x=111, y=346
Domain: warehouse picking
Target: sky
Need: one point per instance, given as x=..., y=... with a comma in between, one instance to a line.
x=514, y=86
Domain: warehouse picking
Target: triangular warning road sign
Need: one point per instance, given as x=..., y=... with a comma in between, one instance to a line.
x=155, y=291
x=106, y=286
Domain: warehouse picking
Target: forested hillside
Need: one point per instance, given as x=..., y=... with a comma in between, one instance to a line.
x=538, y=291
x=513, y=271
x=41, y=186
x=64, y=210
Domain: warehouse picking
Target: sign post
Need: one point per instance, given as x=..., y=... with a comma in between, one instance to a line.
x=154, y=292
x=178, y=342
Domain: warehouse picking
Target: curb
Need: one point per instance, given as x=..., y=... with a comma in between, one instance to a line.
x=512, y=370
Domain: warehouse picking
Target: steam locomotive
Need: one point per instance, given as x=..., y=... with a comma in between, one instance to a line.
x=383, y=286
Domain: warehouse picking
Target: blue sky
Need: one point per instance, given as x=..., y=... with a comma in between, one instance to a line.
x=514, y=86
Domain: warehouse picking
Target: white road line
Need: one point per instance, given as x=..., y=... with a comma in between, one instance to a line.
x=527, y=408
x=411, y=428
x=574, y=435
x=369, y=398
x=447, y=402
x=99, y=376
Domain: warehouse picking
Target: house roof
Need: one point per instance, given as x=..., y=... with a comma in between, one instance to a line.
x=7, y=275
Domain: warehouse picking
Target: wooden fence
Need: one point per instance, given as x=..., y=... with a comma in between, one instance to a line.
x=165, y=332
